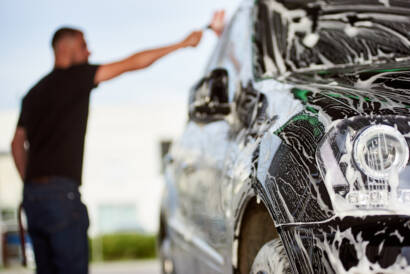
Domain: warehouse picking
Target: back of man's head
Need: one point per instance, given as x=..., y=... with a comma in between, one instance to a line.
x=62, y=33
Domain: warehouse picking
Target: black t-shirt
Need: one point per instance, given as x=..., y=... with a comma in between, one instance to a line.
x=54, y=113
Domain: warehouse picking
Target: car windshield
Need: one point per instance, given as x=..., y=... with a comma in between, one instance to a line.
x=295, y=35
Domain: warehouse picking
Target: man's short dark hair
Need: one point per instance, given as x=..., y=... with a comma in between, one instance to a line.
x=62, y=33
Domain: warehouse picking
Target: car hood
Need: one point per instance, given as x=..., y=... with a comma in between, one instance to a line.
x=367, y=90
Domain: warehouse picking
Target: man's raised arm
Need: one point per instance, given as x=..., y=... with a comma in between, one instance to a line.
x=143, y=59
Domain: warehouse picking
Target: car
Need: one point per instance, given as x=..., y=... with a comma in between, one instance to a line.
x=295, y=155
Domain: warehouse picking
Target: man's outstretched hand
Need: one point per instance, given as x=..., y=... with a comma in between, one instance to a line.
x=217, y=25
x=218, y=22
x=192, y=39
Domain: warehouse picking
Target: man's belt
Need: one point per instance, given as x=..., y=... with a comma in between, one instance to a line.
x=41, y=180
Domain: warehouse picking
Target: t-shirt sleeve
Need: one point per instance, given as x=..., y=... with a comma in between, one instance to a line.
x=85, y=74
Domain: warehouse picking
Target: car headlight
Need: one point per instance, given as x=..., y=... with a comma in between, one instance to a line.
x=380, y=150
x=364, y=164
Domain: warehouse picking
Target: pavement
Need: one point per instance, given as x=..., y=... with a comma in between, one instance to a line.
x=126, y=267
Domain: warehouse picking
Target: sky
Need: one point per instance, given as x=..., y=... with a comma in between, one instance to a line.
x=113, y=30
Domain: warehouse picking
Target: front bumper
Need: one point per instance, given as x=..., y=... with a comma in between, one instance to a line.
x=369, y=244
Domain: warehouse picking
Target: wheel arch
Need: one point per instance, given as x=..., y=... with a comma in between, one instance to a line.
x=254, y=227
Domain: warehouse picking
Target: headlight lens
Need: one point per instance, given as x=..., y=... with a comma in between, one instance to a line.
x=380, y=150
x=364, y=164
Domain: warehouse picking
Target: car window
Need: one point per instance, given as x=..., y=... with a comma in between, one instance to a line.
x=296, y=36
x=233, y=51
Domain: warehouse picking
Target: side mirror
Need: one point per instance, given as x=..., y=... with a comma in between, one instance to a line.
x=209, y=98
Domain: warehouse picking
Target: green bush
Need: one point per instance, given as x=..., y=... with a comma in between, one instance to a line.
x=123, y=246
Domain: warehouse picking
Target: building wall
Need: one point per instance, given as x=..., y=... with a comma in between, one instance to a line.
x=123, y=161
x=10, y=196
x=10, y=183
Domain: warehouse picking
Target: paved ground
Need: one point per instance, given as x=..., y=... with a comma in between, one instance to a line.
x=128, y=267
x=134, y=267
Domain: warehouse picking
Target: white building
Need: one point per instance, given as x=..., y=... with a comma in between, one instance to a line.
x=10, y=183
x=122, y=172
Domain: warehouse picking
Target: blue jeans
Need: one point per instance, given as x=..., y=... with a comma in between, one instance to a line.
x=57, y=224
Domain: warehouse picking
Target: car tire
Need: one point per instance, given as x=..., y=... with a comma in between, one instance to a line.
x=167, y=264
x=271, y=259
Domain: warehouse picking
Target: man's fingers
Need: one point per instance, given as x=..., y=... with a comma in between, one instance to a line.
x=215, y=17
x=218, y=22
x=221, y=15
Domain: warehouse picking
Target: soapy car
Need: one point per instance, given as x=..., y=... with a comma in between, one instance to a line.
x=295, y=156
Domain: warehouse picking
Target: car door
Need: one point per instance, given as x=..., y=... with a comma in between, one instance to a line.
x=200, y=154
x=199, y=157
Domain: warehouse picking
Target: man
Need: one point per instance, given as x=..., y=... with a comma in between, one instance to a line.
x=48, y=146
